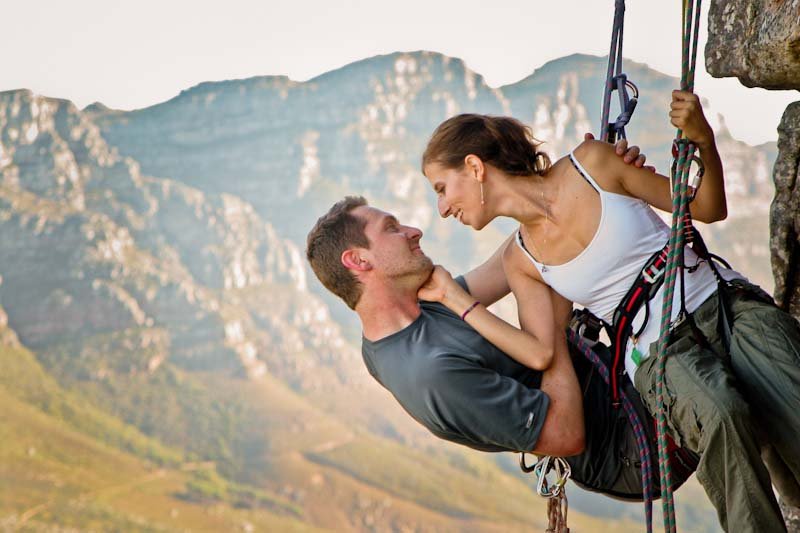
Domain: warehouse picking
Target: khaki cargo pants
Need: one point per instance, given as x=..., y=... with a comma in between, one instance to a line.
x=725, y=406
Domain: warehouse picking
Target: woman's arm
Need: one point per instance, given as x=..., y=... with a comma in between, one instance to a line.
x=534, y=350
x=686, y=113
x=710, y=203
x=487, y=283
x=547, y=313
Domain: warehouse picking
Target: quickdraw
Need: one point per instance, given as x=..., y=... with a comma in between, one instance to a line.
x=554, y=490
x=616, y=80
x=543, y=467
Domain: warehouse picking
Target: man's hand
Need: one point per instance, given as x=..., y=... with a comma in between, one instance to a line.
x=438, y=285
x=630, y=156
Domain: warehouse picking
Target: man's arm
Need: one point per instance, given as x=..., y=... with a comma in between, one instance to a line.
x=473, y=404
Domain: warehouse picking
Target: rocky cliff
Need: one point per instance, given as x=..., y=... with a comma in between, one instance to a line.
x=759, y=43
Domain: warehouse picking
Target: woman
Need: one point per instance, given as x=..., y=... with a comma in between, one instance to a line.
x=587, y=229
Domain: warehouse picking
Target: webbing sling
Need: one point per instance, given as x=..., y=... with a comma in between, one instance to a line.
x=616, y=80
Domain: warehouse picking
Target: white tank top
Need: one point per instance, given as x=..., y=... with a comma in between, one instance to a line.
x=629, y=233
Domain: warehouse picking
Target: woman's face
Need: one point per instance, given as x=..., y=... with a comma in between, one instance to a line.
x=458, y=193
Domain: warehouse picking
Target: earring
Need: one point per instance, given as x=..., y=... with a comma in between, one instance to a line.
x=482, y=202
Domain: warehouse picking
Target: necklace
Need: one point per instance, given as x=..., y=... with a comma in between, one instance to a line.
x=546, y=230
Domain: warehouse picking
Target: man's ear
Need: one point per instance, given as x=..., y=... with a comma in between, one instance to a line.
x=475, y=167
x=353, y=260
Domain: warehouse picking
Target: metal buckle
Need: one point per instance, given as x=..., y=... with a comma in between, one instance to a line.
x=697, y=179
x=652, y=278
x=680, y=319
x=694, y=182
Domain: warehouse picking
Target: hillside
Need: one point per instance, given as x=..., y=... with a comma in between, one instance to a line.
x=168, y=358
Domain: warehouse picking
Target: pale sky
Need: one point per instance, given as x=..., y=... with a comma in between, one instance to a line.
x=130, y=55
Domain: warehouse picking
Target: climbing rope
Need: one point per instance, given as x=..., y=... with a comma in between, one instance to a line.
x=683, y=151
x=555, y=492
x=647, y=470
x=610, y=131
x=683, y=193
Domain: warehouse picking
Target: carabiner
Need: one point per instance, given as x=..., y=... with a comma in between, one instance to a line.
x=548, y=463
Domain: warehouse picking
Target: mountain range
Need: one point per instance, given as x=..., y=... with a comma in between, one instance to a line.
x=170, y=362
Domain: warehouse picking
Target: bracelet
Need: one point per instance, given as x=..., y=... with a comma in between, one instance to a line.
x=470, y=308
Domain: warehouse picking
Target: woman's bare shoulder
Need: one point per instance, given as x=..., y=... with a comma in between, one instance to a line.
x=516, y=263
x=593, y=151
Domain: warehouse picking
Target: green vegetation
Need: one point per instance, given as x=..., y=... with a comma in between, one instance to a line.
x=166, y=403
x=26, y=379
x=207, y=486
x=53, y=474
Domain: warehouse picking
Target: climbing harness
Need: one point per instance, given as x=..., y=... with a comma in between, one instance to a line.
x=643, y=290
x=639, y=295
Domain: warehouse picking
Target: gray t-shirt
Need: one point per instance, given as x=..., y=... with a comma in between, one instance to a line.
x=457, y=384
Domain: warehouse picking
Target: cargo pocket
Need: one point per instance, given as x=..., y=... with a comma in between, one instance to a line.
x=645, y=382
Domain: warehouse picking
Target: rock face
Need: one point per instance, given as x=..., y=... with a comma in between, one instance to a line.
x=757, y=41
x=92, y=246
x=785, y=213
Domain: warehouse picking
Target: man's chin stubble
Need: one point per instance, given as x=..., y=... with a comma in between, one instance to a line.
x=424, y=272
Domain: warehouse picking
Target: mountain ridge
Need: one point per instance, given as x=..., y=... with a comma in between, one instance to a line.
x=152, y=262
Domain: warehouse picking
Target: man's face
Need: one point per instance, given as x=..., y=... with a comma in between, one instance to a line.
x=394, y=250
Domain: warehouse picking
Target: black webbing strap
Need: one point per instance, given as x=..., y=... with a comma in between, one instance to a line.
x=725, y=317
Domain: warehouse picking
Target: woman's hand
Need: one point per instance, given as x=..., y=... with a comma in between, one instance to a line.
x=437, y=286
x=686, y=113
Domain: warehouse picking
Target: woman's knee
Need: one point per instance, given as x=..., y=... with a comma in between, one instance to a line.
x=718, y=400
x=731, y=410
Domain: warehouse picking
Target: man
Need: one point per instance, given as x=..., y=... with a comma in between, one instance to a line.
x=449, y=378
x=441, y=370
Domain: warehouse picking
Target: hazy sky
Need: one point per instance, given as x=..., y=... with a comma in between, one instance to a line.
x=134, y=54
